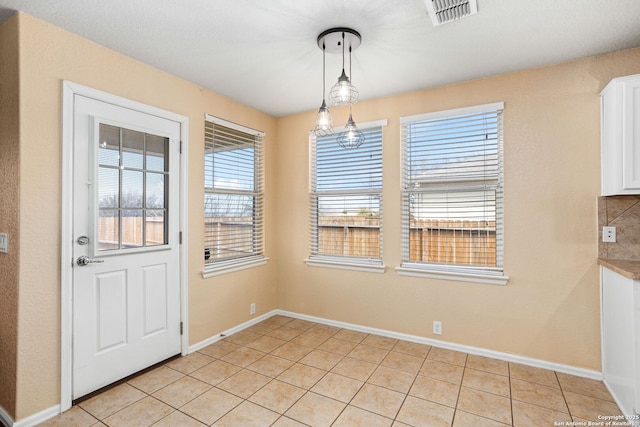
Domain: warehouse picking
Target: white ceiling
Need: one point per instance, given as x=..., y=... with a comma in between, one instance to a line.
x=263, y=53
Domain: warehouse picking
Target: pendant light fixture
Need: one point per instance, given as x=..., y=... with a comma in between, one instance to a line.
x=350, y=137
x=343, y=93
x=324, y=123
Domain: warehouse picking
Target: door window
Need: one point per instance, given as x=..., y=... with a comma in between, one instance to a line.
x=133, y=187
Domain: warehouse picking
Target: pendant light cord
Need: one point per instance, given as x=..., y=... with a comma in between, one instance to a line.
x=350, y=74
x=350, y=79
x=323, y=70
x=342, y=51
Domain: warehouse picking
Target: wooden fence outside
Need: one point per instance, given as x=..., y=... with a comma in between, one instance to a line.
x=453, y=242
x=131, y=231
x=436, y=241
x=228, y=237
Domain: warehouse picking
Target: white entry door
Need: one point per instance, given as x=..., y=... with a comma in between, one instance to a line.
x=126, y=258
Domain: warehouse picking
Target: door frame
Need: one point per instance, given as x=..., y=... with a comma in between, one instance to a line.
x=69, y=91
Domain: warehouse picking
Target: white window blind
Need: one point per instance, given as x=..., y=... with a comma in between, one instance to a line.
x=452, y=190
x=233, y=197
x=346, y=199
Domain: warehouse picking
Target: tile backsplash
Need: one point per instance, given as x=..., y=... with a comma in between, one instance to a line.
x=622, y=212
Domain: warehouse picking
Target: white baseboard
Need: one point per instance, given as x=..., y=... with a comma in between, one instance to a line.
x=218, y=337
x=5, y=419
x=634, y=422
x=537, y=363
x=566, y=369
x=31, y=420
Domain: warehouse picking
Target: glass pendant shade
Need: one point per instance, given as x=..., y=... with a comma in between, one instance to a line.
x=350, y=137
x=343, y=93
x=324, y=123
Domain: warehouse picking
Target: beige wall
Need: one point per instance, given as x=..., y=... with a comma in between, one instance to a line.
x=550, y=308
x=9, y=218
x=49, y=55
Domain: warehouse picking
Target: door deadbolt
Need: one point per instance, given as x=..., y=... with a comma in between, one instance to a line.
x=83, y=240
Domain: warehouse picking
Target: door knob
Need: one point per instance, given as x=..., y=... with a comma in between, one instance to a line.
x=85, y=260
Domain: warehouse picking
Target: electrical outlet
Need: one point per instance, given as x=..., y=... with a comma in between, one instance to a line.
x=252, y=308
x=4, y=242
x=437, y=327
x=609, y=234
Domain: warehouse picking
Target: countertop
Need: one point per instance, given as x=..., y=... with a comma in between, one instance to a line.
x=626, y=267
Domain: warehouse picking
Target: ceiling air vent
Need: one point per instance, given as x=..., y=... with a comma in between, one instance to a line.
x=443, y=11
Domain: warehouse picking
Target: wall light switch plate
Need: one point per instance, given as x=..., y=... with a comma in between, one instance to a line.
x=609, y=234
x=4, y=242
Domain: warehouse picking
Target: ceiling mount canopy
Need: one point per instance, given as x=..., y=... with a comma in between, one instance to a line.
x=343, y=93
x=331, y=39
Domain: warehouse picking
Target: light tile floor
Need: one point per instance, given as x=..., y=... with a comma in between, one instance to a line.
x=289, y=372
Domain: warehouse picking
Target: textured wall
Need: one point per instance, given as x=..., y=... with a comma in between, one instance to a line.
x=9, y=218
x=49, y=55
x=549, y=310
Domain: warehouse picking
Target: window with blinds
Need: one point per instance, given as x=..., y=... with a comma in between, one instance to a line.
x=233, y=196
x=452, y=190
x=346, y=199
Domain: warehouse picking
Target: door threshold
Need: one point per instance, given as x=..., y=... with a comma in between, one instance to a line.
x=122, y=380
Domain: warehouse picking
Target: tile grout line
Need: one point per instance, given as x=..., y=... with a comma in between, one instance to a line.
x=411, y=386
x=360, y=388
x=464, y=371
x=301, y=330
x=513, y=421
x=564, y=397
x=326, y=373
x=272, y=379
x=306, y=391
x=215, y=386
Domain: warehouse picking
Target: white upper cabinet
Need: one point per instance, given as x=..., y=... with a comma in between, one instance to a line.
x=620, y=133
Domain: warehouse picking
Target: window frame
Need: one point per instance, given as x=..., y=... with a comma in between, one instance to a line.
x=457, y=272
x=257, y=256
x=315, y=259
x=120, y=168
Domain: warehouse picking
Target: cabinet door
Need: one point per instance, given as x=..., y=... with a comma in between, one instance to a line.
x=631, y=135
x=618, y=346
x=636, y=292
x=611, y=144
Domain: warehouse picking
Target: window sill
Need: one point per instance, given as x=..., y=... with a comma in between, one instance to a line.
x=345, y=265
x=225, y=267
x=414, y=270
